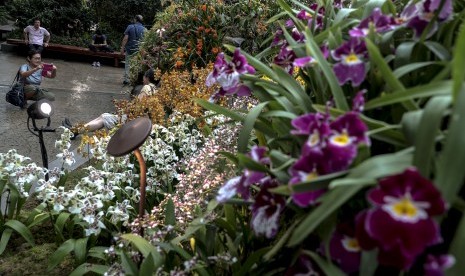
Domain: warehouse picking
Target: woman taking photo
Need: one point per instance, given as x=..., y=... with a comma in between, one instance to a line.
x=31, y=75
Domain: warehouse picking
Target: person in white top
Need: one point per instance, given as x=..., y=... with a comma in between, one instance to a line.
x=36, y=36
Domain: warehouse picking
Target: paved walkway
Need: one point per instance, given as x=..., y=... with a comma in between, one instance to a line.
x=82, y=93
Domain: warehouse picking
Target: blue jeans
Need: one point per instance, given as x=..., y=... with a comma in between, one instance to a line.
x=126, y=67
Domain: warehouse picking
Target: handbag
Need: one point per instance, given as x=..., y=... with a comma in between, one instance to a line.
x=16, y=94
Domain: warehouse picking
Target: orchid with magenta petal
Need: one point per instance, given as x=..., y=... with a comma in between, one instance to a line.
x=400, y=224
x=241, y=184
x=285, y=58
x=435, y=265
x=344, y=249
x=351, y=66
x=418, y=15
x=330, y=147
x=267, y=209
x=227, y=75
x=303, y=266
x=381, y=24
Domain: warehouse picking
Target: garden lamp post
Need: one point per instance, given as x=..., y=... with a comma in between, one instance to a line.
x=127, y=139
x=42, y=109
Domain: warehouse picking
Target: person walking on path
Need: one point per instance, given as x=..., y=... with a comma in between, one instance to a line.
x=36, y=36
x=31, y=75
x=130, y=44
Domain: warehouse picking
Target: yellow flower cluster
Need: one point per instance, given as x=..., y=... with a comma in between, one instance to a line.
x=179, y=89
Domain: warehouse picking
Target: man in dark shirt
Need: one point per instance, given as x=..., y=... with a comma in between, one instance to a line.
x=99, y=42
x=130, y=44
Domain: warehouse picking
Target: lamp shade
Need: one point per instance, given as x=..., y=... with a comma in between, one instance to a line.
x=129, y=137
x=40, y=110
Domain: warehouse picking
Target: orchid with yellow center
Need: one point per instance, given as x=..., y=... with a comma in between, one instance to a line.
x=351, y=66
x=344, y=248
x=330, y=147
x=400, y=223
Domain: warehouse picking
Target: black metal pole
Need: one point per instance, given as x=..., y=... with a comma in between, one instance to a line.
x=43, y=152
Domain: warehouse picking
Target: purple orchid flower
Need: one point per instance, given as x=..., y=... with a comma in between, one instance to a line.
x=241, y=184
x=400, y=223
x=309, y=60
x=351, y=66
x=306, y=169
x=227, y=75
x=285, y=58
x=436, y=265
x=330, y=147
x=418, y=15
x=344, y=249
x=278, y=39
x=267, y=209
x=381, y=23
x=303, y=266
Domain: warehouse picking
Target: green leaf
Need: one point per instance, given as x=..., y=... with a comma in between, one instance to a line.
x=21, y=229
x=456, y=249
x=6, y=234
x=230, y=156
x=432, y=89
x=98, y=252
x=336, y=90
x=342, y=14
x=140, y=243
x=427, y=133
x=440, y=51
x=330, y=202
x=85, y=268
x=219, y=109
x=294, y=88
x=410, y=122
x=250, y=164
x=375, y=167
x=38, y=219
x=61, y=222
x=279, y=114
x=130, y=268
x=321, y=182
x=251, y=260
x=370, y=6
x=148, y=266
x=378, y=60
x=80, y=250
x=281, y=190
x=458, y=64
x=279, y=244
x=170, y=217
x=244, y=135
x=450, y=173
x=327, y=267
x=368, y=263
x=400, y=72
x=59, y=255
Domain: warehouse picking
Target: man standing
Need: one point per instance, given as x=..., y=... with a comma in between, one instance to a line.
x=36, y=36
x=130, y=44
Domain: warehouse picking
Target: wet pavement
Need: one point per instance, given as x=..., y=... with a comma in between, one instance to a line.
x=82, y=93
